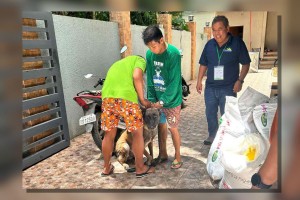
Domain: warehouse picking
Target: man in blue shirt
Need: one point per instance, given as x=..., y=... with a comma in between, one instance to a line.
x=220, y=59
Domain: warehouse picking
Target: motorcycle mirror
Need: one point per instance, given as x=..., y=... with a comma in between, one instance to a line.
x=88, y=75
x=124, y=48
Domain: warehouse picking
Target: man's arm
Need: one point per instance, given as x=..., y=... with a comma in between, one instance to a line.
x=139, y=85
x=239, y=83
x=151, y=94
x=202, y=70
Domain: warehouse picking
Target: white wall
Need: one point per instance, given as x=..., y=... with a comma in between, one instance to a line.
x=182, y=40
x=138, y=46
x=201, y=40
x=84, y=46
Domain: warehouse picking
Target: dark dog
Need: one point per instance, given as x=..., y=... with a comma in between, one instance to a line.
x=124, y=143
x=185, y=91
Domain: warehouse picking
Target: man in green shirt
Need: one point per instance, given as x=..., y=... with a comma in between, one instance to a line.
x=164, y=88
x=122, y=89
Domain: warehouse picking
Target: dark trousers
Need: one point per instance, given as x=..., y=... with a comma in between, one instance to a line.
x=215, y=98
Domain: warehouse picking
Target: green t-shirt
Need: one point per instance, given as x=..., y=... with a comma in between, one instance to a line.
x=119, y=79
x=164, y=77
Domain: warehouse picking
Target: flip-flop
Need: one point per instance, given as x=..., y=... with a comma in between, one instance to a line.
x=143, y=174
x=131, y=170
x=158, y=160
x=176, y=165
x=111, y=171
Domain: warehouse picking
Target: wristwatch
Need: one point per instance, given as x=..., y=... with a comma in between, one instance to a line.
x=241, y=81
x=161, y=103
x=256, y=181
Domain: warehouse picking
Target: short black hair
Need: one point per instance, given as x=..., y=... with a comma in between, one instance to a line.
x=221, y=18
x=152, y=33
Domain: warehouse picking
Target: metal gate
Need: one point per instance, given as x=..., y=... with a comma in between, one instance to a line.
x=45, y=128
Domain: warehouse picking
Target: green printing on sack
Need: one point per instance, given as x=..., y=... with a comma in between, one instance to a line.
x=220, y=121
x=215, y=156
x=264, y=119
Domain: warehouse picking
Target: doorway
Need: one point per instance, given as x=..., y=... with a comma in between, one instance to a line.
x=237, y=31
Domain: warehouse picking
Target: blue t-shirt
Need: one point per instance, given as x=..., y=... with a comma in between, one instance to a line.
x=235, y=52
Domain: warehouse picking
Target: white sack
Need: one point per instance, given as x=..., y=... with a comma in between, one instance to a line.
x=263, y=116
x=246, y=152
x=214, y=168
x=247, y=102
x=236, y=125
x=237, y=181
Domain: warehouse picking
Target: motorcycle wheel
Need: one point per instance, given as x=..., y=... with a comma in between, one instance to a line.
x=97, y=132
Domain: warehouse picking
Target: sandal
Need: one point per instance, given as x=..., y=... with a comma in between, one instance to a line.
x=176, y=165
x=111, y=171
x=158, y=160
x=145, y=173
x=131, y=170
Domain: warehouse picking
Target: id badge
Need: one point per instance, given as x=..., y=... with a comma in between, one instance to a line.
x=219, y=72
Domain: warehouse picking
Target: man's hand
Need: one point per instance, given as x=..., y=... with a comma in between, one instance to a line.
x=199, y=87
x=157, y=105
x=202, y=71
x=146, y=103
x=237, y=86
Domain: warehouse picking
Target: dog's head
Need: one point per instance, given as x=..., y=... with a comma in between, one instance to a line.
x=151, y=117
x=185, y=88
x=123, y=153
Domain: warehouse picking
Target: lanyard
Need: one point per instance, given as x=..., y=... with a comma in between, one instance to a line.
x=219, y=56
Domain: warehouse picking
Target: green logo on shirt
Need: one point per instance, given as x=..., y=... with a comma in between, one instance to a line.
x=228, y=49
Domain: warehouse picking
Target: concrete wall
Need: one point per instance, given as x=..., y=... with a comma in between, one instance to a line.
x=200, y=43
x=182, y=40
x=138, y=46
x=84, y=46
x=271, y=32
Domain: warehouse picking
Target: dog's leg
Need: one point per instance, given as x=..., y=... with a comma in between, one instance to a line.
x=123, y=155
x=148, y=156
x=150, y=147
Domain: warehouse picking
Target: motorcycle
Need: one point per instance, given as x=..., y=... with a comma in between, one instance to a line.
x=90, y=101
